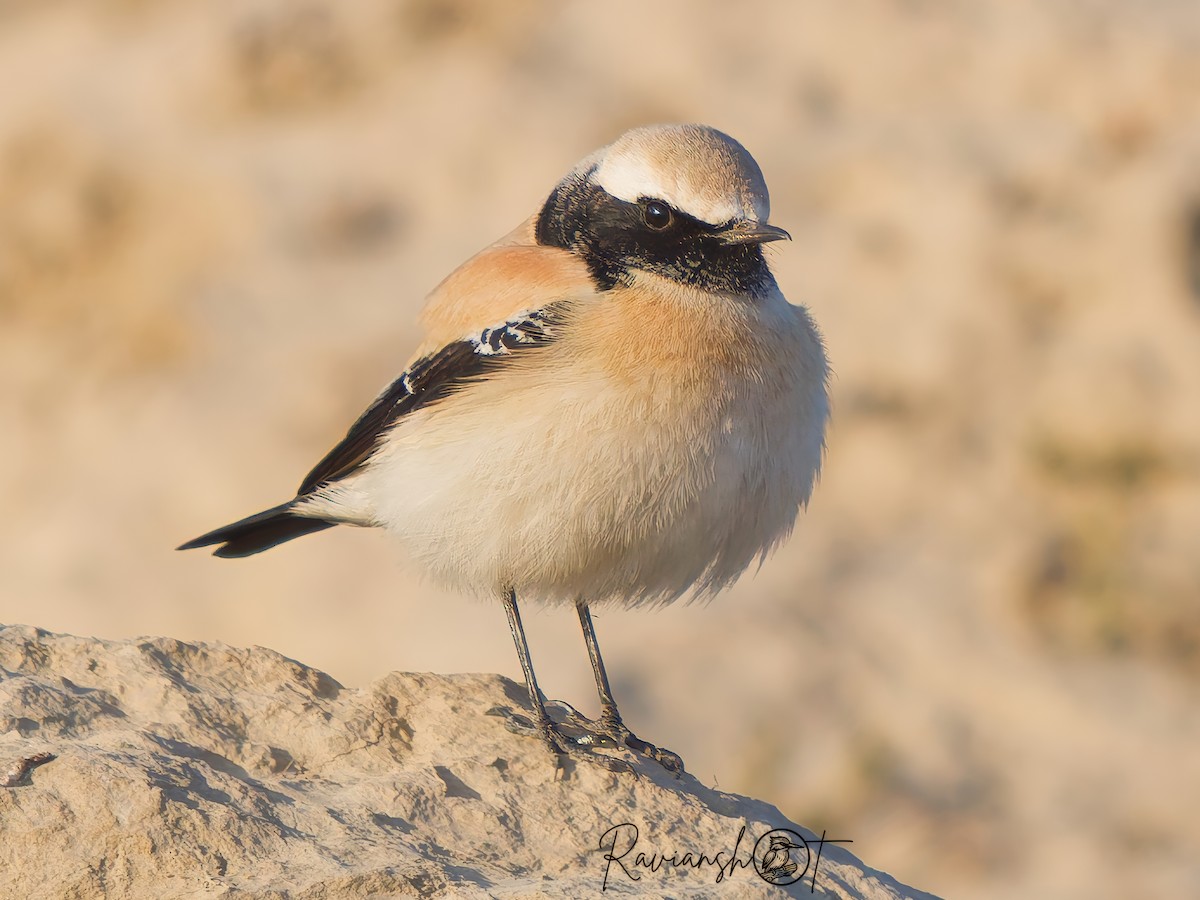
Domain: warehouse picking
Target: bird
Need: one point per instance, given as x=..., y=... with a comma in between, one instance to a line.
x=612, y=405
x=777, y=863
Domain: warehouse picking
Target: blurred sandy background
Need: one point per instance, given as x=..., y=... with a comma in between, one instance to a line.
x=977, y=657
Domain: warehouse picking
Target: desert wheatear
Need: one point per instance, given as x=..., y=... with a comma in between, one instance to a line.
x=612, y=404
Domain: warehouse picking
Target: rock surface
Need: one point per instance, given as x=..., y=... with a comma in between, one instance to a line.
x=204, y=770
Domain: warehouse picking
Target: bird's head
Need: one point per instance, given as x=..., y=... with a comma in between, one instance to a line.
x=685, y=202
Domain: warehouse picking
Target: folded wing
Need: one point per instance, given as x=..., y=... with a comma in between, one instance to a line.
x=426, y=381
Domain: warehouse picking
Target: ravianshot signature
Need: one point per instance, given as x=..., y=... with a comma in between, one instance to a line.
x=781, y=856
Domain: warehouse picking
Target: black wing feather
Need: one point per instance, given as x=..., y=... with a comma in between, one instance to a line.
x=258, y=532
x=427, y=380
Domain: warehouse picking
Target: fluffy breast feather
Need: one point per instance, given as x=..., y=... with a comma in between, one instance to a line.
x=666, y=441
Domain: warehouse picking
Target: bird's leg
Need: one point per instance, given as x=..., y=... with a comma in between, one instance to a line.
x=543, y=723
x=558, y=743
x=611, y=725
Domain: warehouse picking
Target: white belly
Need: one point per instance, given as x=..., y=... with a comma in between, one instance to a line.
x=594, y=489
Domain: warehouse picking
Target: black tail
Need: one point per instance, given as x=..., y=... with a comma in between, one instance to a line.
x=258, y=532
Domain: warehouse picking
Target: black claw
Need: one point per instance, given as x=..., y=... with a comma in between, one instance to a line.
x=614, y=729
x=633, y=742
x=579, y=749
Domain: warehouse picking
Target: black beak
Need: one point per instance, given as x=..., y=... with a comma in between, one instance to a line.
x=744, y=231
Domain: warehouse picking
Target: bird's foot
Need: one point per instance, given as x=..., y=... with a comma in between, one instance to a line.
x=612, y=728
x=567, y=740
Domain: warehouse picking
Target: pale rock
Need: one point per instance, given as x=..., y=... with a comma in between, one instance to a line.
x=201, y=770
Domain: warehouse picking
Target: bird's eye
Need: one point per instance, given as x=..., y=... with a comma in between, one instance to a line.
x=657, y=215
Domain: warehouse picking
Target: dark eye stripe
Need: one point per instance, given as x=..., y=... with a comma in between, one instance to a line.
x=614, y=238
